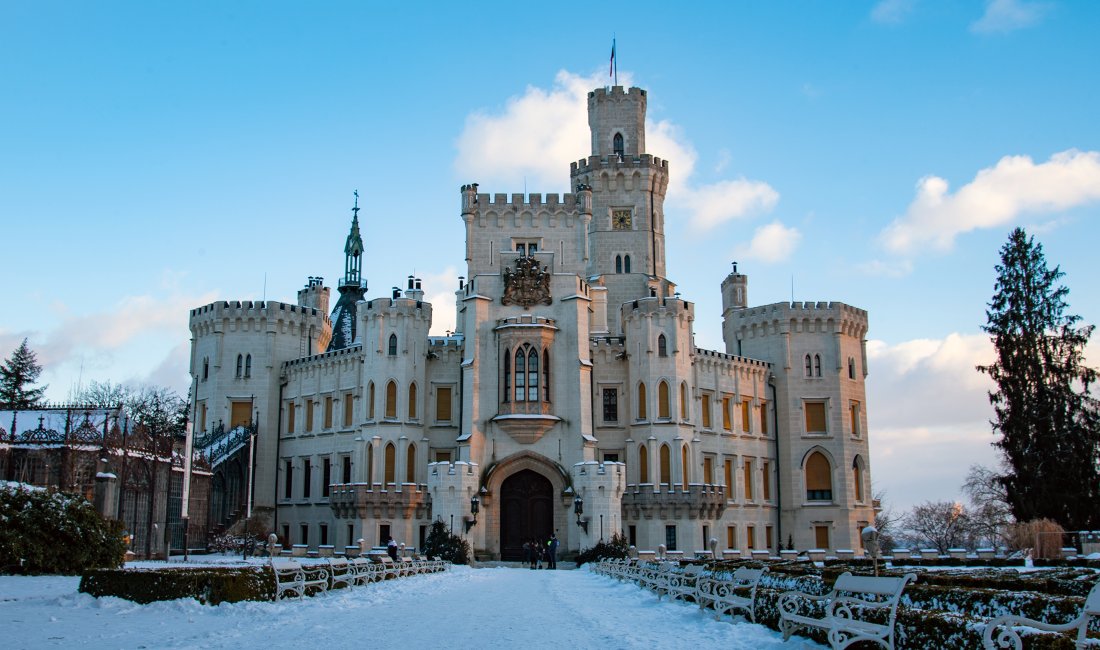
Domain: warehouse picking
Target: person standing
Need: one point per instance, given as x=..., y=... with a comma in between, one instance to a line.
x=391, y=548
x=552, y=552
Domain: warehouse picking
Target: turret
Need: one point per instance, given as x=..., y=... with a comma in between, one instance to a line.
x=617, y=120
x=314, y=295
x=352, y=287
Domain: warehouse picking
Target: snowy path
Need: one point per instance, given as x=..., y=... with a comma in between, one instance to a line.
x=463, y=608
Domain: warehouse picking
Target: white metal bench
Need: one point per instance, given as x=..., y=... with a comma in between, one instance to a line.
x=294, y=579
x=859, y=608
x=1008, y=637
x=727, y=595
x=363, y=570
x=340, y=573
x=680, y=584
x=390, y=569
x=654, y=576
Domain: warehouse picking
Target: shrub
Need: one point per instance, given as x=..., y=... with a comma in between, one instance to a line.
x=1042, y=536
x=445, y=545
x=52, y=532
x=616, y=547
x=209, y=586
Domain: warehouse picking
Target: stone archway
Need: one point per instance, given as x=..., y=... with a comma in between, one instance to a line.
x=526, y=512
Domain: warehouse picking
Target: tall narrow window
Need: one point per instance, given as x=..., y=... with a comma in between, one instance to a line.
x=662, y=346
x=309, y=415
x=626, y=264
x=683, y=400
x=618, y=263
x=857, y=478
x=748, y=480
x=708, y=470
x=815, y=417
x=750, y=534
x=851, y=368
x=821, y=536
x=521, y=375
x=307, y=477
x=610, y=404
x=240, y=365
x=706, y=410
x=390, y=475
x=727, y=424
x=533, y=375
x=663, y=400
x=290, y=410
x=643, y=464
x=391, y=400
x=410, y=464
x=853, y=416
x=507, y=375
x=729, y=479
x=289, y=479
x=766, y=475
x=326, y=476
x=205, y=368
x=546, y=375
x=248, y=366
x=746, y=423
x=670, y=537
x=393, y=345
x=349, y=408
x=370, y=401
x=819, y=478
x=443, y=404
x=731, y=537
x=809, y=366
x=641, y=402
x=370, y=463
x=666, y=465
x=345, y=473
x=617, y=144
x=763, y=418
x=412, y=401
x=817, y=365
x=684, y=466
x=328, y=411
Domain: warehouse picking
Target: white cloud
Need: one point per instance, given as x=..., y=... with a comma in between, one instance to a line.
x=892, y=11
x=1003, y=16
x=895, y=268
x=773, y=242
x=439, y=290
x=537, y=134
x=997, y=196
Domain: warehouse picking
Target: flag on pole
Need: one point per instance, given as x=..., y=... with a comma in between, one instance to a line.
x=611, y=67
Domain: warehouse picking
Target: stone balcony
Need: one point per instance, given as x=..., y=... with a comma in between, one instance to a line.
x=664, y=501
x=380, y=501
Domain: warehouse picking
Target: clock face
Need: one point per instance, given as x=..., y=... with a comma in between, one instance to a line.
x=620, y=219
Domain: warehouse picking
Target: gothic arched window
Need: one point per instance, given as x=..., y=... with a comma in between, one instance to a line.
x=683, y=400
x=393, y=345
x=205, y=368
x=618, y=263
x=412, y=401
x=641, y=402
x=626, y=264
x=248, y=366
x=819, y=478
x=857, y=477
x=662, y=346
x=643, y=464
x=809, y=366
x=240, y=365
x=817, y=365
x=410, y=464
x=666, y=465
x=663, y=407
x=851, y=368
x=390, y=464
x=391, y=399
x=617, y=144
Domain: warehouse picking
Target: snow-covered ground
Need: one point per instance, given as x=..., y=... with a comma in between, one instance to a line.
x=463, y=608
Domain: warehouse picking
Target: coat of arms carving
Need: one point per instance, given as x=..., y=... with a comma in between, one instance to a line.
x=527, y=285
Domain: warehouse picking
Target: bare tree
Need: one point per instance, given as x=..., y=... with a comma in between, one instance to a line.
x=990, y=512
x=939, y=524
x=886, y=522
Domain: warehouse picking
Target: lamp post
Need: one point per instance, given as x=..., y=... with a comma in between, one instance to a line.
x=475, y=506
x=870, y=542
x=578, y=509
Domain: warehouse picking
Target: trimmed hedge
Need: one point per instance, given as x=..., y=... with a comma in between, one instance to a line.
x=53, y=532
x=208, y=585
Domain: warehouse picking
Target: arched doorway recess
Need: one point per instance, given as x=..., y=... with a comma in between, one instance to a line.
x=526, y=512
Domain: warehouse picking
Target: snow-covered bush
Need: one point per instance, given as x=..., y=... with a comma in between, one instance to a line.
x=52, y=532
x=616, y=547
x=208, y=585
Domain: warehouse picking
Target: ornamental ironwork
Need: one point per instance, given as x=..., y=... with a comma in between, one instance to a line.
x=42, y=434
x=528, y=285
x=86, y=432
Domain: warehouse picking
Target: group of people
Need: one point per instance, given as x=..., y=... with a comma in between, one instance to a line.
x=535, y=552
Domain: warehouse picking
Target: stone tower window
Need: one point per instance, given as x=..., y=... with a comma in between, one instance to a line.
x=662, y=346
x=410, y=464
x=248, y=366
x=393, y=345
x=507, y=375
x=851, y=368
x=618, y=263
x=390, y=461
x=546, y=375
x=817, y=365
x=626, y=264
x=412, y=401
x=205, y=368
x=666, y=465
x=240, y=365
x=683, y=401
x=641, y=401
x=857, y=477
x=819, y=478
x=617, y=144
x=663, y=399
x=391, y=400
x=370, y=401
x=809, y=366
x=643, y=464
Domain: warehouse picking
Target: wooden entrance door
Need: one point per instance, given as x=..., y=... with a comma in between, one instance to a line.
x=526, y=512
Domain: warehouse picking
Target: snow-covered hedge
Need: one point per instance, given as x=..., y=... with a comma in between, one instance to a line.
x=52, y=532
x=209, y=585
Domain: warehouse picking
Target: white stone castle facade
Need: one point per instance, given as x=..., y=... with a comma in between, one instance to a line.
x=571, y=373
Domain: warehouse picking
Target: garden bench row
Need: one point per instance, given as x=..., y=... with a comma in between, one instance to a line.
x=858, y=608
x=294, y=579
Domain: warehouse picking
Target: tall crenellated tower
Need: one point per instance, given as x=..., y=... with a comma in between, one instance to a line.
x=627, y=238
x=352, y=287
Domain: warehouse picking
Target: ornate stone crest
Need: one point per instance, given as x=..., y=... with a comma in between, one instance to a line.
x=527, y=285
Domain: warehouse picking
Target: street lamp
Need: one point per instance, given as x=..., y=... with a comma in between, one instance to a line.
x=578, y=509
x=475, y=506
x=870, y=542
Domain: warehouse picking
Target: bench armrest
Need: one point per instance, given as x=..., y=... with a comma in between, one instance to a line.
x=791, y=601
x=315, y=572
x=1008, y=637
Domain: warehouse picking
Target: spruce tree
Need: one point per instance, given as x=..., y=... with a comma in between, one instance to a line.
x=17, y=375
x=1046, y=417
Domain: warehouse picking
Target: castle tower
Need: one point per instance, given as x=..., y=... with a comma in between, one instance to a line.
x=735, y=296
x=352, y=287
x=627, y=242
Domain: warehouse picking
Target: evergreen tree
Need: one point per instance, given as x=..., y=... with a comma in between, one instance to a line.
x=1046, y=417
x=17, y=375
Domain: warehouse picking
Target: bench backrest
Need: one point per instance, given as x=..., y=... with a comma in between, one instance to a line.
x=1092, y=602
x=285, y=565
x=746, y=575
x=693, y=569
x=880, y=586
x=340, y=563
x=386, y=559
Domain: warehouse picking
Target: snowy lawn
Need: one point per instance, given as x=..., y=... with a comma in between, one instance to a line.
x=463, y=608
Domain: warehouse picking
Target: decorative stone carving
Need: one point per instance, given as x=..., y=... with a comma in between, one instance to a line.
x=527, y=285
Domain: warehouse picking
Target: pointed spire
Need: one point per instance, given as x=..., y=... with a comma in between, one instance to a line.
x=353, y=248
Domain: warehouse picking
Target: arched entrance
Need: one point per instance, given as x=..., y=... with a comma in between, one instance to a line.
x=526, y=512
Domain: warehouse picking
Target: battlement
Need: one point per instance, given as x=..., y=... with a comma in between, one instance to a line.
x=617, y=91
x=849, y=319
x=732, y=358
x=351, y=350
x=525, y=320
x=455, y=340
x=594, y=164
x=381, y=306
x=269, y=309
x=644, y=307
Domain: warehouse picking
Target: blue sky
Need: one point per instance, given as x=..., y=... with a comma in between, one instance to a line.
x=158, y=156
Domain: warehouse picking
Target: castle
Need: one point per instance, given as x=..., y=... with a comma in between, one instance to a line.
x=570, y=398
